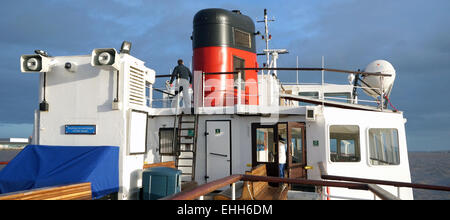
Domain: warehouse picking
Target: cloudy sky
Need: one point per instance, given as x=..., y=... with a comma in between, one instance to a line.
x=414, y=35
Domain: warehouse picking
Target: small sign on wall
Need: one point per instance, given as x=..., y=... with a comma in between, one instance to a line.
x=81, y=129
x=315, y=143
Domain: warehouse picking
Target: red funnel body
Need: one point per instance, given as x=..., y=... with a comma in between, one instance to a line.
x=222, y=41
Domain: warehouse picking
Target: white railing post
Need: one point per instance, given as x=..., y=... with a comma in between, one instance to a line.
x=382, y=92
x=239, y=90
x=233, y=191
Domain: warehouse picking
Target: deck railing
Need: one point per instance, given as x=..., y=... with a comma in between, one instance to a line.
x=199, y=192
x=355, y=184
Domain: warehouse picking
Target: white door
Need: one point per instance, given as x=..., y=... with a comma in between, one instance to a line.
x=218, y=145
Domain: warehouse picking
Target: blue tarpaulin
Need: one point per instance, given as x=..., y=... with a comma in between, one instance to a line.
x=39, y=166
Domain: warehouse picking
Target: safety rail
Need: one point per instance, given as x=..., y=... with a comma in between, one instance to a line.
x=232, y=94
x=204, y=189
x=355, y=184
x=387, y=183
x=228, y=90
x=373, y=182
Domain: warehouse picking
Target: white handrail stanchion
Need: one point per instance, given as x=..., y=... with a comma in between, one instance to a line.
x=233, y=191
x=239, y=91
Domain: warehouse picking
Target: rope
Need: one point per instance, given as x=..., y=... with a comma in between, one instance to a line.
x=392, y=106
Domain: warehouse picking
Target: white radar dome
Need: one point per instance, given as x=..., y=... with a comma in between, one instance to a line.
x=384, y=67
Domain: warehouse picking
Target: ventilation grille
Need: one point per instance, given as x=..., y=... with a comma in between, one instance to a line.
x=137, y=86
x=242, y=38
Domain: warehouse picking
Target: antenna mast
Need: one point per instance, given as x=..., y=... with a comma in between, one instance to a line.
x=267, y=37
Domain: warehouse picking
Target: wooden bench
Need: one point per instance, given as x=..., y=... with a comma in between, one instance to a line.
x=249, y=190
x=81, y=191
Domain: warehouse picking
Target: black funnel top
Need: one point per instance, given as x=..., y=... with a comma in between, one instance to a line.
x=220, y=27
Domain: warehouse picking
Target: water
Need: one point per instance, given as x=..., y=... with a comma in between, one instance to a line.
x=7, y=155
x=431, y=168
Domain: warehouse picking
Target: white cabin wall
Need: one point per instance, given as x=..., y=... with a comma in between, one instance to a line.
x=315, y=131
x=241, y=152
x=85, y=97
x=363, y=168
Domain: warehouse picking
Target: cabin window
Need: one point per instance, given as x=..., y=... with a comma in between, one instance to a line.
x=265, y=145
x=239, y=63
x=242, y=39
x=314, y=95
x=383, y=144
x=344, y=143
x=166, y=139
x=339, y=96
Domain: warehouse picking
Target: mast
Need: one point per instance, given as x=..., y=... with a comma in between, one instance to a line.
x=266, y=27
x=266, y=38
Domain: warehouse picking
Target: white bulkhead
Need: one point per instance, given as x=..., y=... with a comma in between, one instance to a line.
x=115, y=101
x=110, y=100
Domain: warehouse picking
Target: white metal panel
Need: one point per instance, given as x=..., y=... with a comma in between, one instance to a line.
x=218, y=144
x=137, y=132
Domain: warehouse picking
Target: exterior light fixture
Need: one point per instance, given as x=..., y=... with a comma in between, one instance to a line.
x=105, y=58
x=126, y=47
x=33, y=64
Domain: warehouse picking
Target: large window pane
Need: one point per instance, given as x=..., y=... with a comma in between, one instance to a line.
x=344, y=143
x=340, y=97
x=314, y=95
x=265, y=145
x=297, y=145
x=383, y=144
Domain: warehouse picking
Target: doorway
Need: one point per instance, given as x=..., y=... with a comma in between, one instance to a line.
x=218, y=150
x=265, y=143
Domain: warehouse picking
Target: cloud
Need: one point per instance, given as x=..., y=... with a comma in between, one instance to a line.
x=413, y=35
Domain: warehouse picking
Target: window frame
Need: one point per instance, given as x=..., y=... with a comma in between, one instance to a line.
x=328, y=134
x=334, y=96
x=368, y=147
x=174, y=150
x=309, y=92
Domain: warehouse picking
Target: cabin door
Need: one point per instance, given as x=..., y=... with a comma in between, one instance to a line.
x=218, y=150
x=264, y=148
x=296, y=160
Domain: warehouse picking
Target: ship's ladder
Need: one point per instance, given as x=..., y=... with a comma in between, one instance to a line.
x=186, y=145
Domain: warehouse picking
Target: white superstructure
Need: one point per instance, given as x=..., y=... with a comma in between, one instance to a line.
x=111, y=94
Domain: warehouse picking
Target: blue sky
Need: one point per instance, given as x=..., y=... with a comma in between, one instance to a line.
x=413, y=35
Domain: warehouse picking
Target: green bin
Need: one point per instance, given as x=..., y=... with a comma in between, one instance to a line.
x=159, y=182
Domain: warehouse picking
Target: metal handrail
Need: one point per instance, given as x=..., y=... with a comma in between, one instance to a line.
x=389, y=183
x=355, y=183
x=205, y=188
x=217, y=184
x=318, y=69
